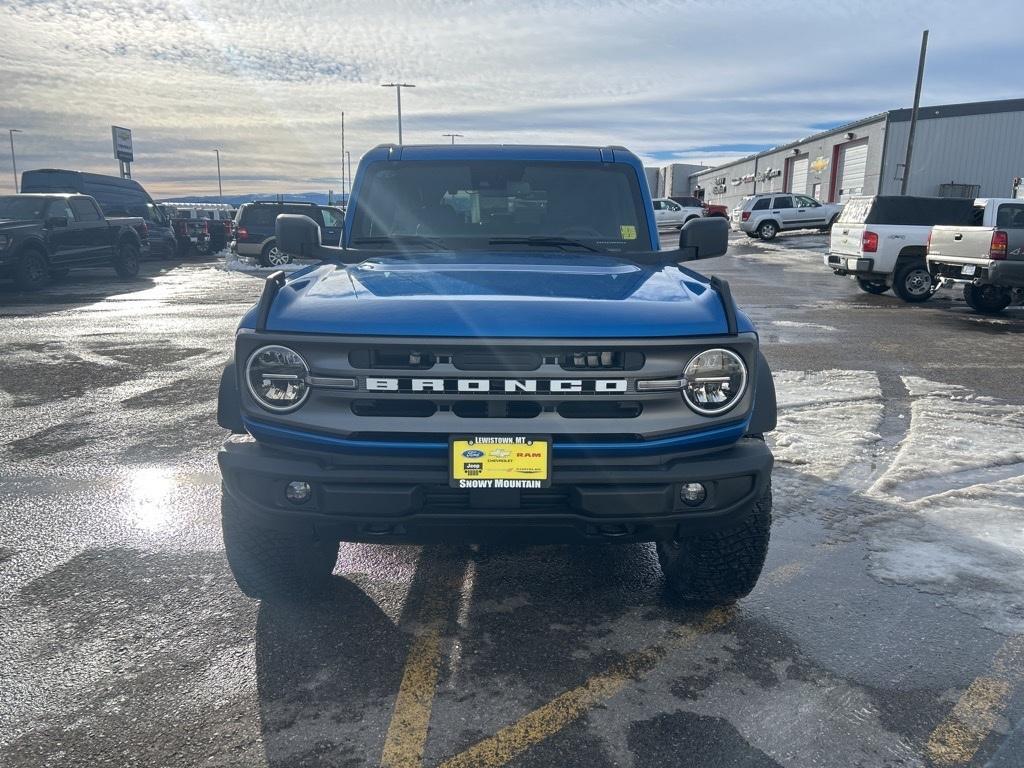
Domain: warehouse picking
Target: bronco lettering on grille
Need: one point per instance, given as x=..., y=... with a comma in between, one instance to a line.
x=496, y=386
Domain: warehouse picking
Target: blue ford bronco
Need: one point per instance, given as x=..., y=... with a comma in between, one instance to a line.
x=498, y=350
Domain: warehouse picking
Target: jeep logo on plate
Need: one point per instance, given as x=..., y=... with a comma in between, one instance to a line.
x=497, y=386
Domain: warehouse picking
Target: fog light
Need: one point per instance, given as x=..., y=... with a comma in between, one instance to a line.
x=298, y=491
x=693, y=494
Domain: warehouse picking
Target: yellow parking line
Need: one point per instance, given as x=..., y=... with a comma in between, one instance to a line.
x=549, y=719
x=959, y=736
x=407, y=732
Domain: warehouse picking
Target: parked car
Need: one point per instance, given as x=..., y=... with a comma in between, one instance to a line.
x=491, y=374
x=986, y=259
x=669, y=213
x=766, y=214
x=117, y=197
x=43, y=236
x=881, y=241
x=713, y=209
x=254, y=228
x=206, y=227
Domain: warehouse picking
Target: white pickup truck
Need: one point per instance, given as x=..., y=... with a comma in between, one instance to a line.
x=987, y=258
x=881, y=241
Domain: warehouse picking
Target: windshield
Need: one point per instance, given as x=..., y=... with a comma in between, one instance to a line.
x=21, y=207
x=468, y=204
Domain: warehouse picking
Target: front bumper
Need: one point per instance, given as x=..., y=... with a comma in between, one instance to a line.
x=408, y=500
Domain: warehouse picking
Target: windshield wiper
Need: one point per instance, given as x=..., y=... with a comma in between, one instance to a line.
x=544, y=242
x=401, y=240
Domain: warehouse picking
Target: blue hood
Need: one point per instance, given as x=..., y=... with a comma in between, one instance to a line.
x=510, y=295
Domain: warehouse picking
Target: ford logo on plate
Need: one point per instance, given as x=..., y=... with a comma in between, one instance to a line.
x=473, y=454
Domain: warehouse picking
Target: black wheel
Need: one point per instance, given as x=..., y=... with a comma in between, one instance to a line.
x=987, y=299
x=60, y=273
x=912, y=282
x=272, y=256
x=767, y=230
x=876, y=287
x=720, y=567
x=831, y=223
x=203, y=247
x=271, y=564
x=182, y=247
x=752, y=235
x=31, y=274
x=126, y=262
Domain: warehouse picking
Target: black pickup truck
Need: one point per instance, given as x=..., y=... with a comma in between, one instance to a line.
x=43, y=235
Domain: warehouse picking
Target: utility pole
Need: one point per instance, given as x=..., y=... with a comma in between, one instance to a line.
x=343, y=196
x=14, y=164
x=220, y=189
x=913, y=114
x=398, y=89
x=453, y=136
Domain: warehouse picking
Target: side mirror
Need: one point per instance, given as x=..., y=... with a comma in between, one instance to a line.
x=56, y=222
x=704, y=238
x=298, y=235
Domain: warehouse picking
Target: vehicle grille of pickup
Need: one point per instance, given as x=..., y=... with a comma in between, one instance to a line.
x=573, y=391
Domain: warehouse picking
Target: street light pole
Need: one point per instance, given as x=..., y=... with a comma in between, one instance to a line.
x=453, y=136
x=398, y=89
x=14, y=164
x=220, y=189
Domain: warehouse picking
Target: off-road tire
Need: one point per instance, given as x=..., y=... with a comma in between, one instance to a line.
x=874, y=287
x=767, y=230
x=126, y=262
x=268, y=564
x=987, y=299
x=32, y=272
x=720, y=567
x=908, y=282
x=268, y=258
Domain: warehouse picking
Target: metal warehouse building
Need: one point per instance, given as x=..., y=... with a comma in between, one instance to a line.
x=960, y=150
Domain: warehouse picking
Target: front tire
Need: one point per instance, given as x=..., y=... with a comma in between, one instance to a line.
x=767, y=230
x=272, y=256
x=987, y=299
x=32, y=273
x=720, y=567
x=912, y=282
x=126, y=262
x=874, y=287
x=269, y=564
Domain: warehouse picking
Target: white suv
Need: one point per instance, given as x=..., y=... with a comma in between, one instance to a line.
x=669, y=213
x=765, y=215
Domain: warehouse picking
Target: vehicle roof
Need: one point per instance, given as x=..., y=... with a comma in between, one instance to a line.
x=282, y=202
x=552, y=152
x=47, y=194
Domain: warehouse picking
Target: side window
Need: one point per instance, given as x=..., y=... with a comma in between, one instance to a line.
x=331, y=218
x=674, y=206
x=762, y=205
x=84, y=209
x=658, y=205
x=60, y=209
x=807, y=202
x=1010, y=216
x=783, y=202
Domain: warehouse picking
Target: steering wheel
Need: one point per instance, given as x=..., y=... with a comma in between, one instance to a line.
x=576, y=232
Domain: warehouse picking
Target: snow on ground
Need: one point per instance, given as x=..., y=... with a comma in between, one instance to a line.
x=235, y=263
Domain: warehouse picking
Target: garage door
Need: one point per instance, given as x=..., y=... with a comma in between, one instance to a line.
x=853, y=163
x=797, y=182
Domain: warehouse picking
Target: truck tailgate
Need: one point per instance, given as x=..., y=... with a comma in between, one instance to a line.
x=847, y=239
x=960, y=243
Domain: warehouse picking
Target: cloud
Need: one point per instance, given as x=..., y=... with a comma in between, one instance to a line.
x=266, y=81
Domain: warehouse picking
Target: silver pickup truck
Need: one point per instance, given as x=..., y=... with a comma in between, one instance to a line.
x=987, y=259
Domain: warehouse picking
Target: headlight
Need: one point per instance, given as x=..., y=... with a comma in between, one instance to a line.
x=714, y=381
x=277, y=378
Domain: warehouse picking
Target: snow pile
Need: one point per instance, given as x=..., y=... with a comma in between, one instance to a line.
x=235, y=263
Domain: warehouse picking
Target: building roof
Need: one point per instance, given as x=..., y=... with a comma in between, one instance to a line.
x=893, y=115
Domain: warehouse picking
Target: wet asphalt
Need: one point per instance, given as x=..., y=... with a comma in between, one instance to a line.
x=124, y=642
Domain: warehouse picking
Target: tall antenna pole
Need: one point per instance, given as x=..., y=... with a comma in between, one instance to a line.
x=913, y=114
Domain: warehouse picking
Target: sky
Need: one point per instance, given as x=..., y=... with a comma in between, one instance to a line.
x=266, y=81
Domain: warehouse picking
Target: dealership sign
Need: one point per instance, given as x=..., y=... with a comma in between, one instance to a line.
x=122, y=143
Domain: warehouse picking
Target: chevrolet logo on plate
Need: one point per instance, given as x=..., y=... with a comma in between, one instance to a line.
x=497, y=386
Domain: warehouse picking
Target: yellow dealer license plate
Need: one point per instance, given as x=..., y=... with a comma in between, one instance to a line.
x=500, y=461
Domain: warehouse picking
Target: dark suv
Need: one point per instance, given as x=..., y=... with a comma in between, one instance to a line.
x=254, y=228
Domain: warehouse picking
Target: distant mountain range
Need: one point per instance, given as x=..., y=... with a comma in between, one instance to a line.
x=305, y=197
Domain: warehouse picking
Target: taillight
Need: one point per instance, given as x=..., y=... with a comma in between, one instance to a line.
x=869, y=242
x=1000, y=242
x=745, y=215
x=243, y=233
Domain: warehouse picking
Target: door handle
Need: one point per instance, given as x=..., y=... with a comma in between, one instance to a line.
x=801, y=210
x=958, y=236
